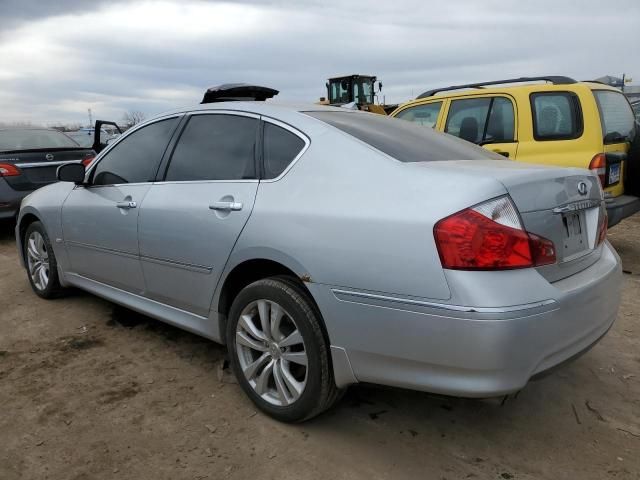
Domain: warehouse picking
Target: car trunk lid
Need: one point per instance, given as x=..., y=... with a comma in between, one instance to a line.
x=38, y=166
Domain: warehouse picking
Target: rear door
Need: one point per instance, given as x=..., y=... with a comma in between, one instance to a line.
x=190, y=221
x=100, y=219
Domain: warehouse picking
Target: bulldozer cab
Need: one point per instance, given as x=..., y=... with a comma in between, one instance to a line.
x=352, y=88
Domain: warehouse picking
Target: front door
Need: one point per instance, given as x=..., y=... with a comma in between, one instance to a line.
x=100, y=219
x=190, y=222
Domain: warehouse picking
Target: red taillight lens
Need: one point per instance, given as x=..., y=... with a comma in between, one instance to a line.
x=599, y=165
x=88, y=159
x=9, y=170
x=602, y=231
x=490, y=237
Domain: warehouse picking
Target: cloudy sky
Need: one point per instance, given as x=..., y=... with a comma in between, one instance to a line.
x=60, y=58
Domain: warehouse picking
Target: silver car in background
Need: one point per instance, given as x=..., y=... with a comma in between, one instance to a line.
x=327, y=247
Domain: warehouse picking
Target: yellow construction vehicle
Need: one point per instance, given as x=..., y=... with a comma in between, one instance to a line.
x=358, y=90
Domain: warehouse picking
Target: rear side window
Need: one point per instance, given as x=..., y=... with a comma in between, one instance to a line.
x=482, y=120
x=425, y=115
x=616, y=116
x=281, y=147
x=136, y=157
x=215, y=147
x=556, y=116
x=402, y=140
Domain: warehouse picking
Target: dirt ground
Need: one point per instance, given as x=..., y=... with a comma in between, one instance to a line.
x=89, y=390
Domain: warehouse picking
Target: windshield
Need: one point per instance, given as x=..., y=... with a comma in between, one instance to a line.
x=402, y=140
x=34, y=139
x=363, y=91
x=616, y=116
x=85, y=139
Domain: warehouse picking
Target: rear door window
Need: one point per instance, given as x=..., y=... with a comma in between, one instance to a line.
x=616, y=116
x=215, y=147
x=556, y=116
x=425, y=115
x=482, y=120
x=281, y=147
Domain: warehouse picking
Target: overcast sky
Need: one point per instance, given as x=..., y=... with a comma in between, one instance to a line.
x=57, y=59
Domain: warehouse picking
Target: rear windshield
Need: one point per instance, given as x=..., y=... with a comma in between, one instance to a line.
x=616, y=116
x=403, y=140
x=32, y=139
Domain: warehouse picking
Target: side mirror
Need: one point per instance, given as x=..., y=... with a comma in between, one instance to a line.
x=71, y=172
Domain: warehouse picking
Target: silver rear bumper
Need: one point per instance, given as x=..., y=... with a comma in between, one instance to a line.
x=470, y=352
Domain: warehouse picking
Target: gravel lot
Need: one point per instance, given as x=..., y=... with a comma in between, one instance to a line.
x=90, y=391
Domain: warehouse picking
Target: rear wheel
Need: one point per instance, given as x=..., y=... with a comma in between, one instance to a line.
x=278, y=351
x=42, y=268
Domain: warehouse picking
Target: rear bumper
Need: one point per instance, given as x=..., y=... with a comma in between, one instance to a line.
x=621, y=207
x=10, y=200
x=481, y=352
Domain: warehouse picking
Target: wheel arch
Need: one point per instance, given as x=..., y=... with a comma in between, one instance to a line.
x=252, y=269
x=24, y=221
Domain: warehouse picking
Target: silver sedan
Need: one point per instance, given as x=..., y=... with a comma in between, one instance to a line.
x=327, y=247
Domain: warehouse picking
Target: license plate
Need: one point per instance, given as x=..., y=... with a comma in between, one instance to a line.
x=614, y=173
x=575, y=235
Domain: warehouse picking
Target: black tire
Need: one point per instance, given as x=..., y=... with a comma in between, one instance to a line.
x=320, y=391
x=53, y=288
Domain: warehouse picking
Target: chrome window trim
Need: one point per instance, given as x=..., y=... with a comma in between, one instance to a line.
x=295, y=131
x=190, y=182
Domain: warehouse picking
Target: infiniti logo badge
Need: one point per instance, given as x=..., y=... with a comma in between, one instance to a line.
x=49, y=157
x=582, y=188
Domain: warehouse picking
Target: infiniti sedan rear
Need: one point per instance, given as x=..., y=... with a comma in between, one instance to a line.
x=327, y=247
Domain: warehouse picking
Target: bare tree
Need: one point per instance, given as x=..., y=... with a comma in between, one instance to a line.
x=133, y=117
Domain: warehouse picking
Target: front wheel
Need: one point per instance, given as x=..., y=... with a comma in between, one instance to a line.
x=278, y=351
x=40, y=261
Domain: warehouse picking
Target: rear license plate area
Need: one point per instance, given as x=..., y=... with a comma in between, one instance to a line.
x=614, y=174
x=575, y=240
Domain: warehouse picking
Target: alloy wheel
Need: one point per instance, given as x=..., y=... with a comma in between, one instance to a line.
x=38, y=260
x=271, y=352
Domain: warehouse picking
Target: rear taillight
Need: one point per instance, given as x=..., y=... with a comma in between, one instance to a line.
x=88, y=158
x=9, y=170
x=602, y=229
x=490, y=237
x=599, y=166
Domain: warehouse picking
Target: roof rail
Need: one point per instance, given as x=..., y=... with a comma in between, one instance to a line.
x=555, y=79
x=230, y=92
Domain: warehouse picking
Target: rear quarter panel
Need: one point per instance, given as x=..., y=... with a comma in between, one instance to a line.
x=347, y=215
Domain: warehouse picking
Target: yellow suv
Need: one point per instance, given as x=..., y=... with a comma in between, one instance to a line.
x=561, y=122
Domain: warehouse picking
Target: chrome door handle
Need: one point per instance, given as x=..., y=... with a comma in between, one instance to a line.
x=226, y=206
x=126, y=205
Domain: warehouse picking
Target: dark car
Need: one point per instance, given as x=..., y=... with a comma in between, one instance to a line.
x=29, y=158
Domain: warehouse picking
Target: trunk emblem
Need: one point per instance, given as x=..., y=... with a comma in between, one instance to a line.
x=582, y=188
x=49, y=156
